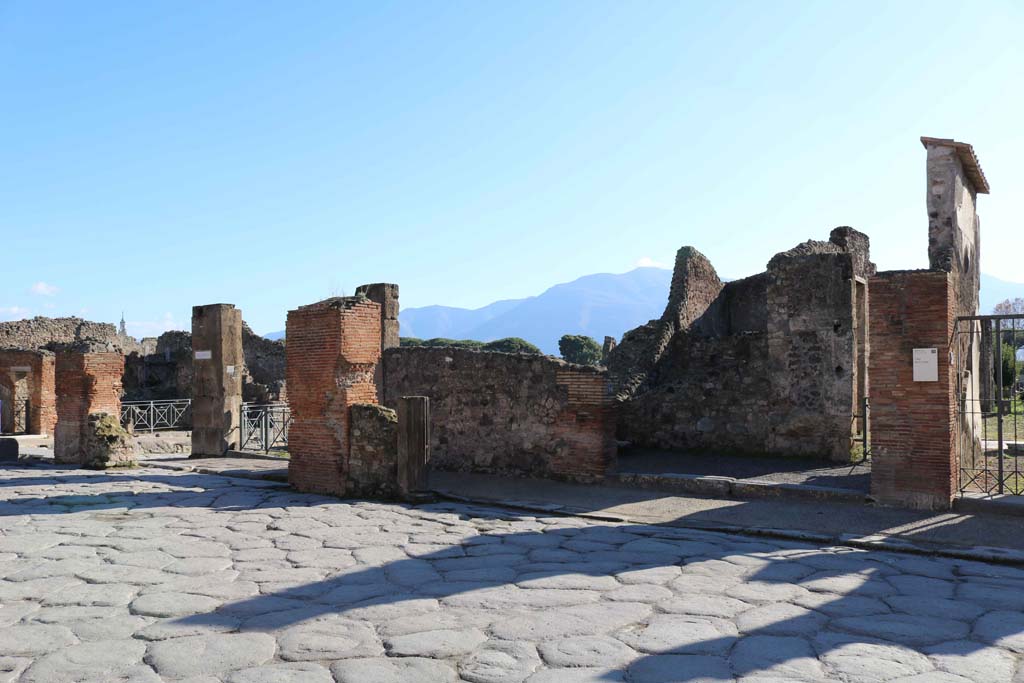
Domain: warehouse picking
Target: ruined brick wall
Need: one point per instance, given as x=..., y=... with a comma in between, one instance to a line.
x=519, y=414
x=333, y=349
x=912, y=423
x=373, y=450
x=781, y=344
x=167, y=372
x=38, y=385
x=88, y=380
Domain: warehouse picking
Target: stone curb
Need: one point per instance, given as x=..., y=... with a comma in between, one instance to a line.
x=234, y=474
x=881, y=542
x=719, y=487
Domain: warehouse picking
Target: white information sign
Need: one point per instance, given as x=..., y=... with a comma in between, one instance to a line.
x=230, y=370
x=926, y=365
x=204, y=355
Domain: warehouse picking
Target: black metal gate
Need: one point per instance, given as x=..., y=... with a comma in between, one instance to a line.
x=989, y=417
x=265, y=427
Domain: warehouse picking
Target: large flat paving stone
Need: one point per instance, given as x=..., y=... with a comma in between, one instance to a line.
x=210, y=654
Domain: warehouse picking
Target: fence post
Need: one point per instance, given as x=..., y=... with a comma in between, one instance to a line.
x=413, y=444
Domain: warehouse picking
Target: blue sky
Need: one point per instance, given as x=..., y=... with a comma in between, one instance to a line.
x=159, y=155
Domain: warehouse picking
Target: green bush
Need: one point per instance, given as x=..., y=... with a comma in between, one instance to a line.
x=579, y=349
x=511, y=345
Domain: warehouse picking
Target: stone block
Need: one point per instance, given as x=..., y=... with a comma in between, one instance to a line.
x=106, y=444
x=8, y=449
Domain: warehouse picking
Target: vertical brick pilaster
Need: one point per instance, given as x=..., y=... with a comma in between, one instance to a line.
x=87, y=382
x=333, y=350
x=586, y=426
x=912, y=423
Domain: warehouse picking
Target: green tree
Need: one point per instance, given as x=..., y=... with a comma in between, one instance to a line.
x=579, y=349
x=1010, y=369
x=511, y=345
x=410, y=341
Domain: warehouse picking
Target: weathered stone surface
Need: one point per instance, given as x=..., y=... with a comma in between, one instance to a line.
x=104, y=661
x=766, y=364
x=587, y=651
x=565, y=430
x=329, y=637
x=210, y=654
x=393, y=670
x=105, y=443
x=666, y=622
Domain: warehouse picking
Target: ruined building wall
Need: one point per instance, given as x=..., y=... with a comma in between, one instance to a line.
x=27, y=376
x=88, y=381
x=769, y=365
x=44, y=333
x=502, y=413
x=167, y=373
x=333, y=349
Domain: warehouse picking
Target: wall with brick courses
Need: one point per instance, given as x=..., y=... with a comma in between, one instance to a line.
x=912, y=433
x=517, y=414
x=333, y=348
x=87, y=382
x=42, y=393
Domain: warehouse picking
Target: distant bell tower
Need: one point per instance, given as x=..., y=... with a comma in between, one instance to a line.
x=122, y=330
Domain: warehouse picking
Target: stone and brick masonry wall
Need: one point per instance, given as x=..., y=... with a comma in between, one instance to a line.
x=912, y=423
x=333, y=349
x=42, y=393
x=87, y=382
x=518, y=414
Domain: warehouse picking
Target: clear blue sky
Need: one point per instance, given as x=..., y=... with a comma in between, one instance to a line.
x=157, y=155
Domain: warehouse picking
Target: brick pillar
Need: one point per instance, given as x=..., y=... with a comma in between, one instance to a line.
x=386, y=295
x=585, y=427
x=332, y=352
x=88, y=381
x=413, y=444
x=217, y=368
x=912, y=423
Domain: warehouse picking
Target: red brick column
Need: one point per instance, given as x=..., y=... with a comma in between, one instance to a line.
x=586, y=426
x=912, y=423
x=332, y=352
x=87, y=382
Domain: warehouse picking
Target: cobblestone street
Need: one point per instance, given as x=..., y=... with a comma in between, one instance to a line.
x=154, y=575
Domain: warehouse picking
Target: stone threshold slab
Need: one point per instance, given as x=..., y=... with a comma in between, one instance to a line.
x=718, y=487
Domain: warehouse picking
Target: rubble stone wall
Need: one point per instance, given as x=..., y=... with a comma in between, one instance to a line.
x=763, y=365
x=45, y=333
x=517, y=414
x=373, y=455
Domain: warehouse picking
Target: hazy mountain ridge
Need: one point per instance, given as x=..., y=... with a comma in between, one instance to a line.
x=595, y=305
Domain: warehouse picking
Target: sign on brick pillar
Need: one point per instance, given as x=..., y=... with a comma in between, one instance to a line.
x=332, y=352
x=413, y=444
x=217, y=367
x=912, y=418
x=88, y=379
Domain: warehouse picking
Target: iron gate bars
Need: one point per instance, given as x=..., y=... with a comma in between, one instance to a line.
x=265, y=427
x=150, y=416
x=989, y=415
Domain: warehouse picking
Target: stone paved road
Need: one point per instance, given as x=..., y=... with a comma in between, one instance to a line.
x=156, y=575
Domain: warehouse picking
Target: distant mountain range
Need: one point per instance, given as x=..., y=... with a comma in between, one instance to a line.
x=594, y=305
